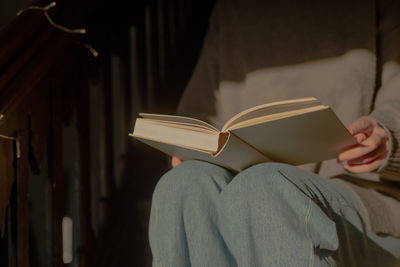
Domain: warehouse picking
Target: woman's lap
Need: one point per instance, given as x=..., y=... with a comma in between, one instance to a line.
x=268, y=215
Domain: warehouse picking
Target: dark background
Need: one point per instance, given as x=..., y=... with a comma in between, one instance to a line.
x=147, y=52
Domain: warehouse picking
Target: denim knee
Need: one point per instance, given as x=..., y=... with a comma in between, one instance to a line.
x=281, y=182
x=270, y=176
x=284, y=194
x=189, y=179
x=275, y=177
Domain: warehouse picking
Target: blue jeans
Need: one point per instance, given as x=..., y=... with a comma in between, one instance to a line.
x=270, y=214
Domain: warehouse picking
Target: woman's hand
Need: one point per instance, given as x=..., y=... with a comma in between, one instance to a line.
x=175, y=161
x=372, y=149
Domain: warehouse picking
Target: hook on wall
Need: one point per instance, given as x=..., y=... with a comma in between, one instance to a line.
x=17, y=143
x=58, y=26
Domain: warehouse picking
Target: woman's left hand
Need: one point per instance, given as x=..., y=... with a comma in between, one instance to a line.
x=372, y=149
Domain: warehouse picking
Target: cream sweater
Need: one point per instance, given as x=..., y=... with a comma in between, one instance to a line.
x=345, y=53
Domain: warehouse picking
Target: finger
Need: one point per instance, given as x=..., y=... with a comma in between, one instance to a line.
x=375, y=164
x=367, y=146
x=361, y=126
x=380, y=152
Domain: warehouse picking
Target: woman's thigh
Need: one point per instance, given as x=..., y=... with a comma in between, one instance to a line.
x=182, y=228
x=270, y=214
x=300, y=218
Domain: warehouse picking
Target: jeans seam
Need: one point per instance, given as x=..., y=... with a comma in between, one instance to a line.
x=308, y=216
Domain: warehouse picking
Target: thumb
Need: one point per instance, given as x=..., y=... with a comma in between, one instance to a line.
x=363, y=126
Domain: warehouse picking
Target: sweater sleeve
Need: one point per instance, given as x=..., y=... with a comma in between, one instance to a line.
x=387, y=102
x=198, y=99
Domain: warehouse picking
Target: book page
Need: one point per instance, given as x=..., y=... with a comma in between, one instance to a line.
x=270, y=109
x=235, y=155
x=300, y=139
x=264, y=119
x=180, y=125
x=177, y=120
x=203, y=140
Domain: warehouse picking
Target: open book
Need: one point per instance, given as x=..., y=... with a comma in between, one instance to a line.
x=294, y=131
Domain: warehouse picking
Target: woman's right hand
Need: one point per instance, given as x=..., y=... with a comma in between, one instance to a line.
x=175, y=161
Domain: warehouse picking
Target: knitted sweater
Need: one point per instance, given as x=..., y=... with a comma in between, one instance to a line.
x=345, y=53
